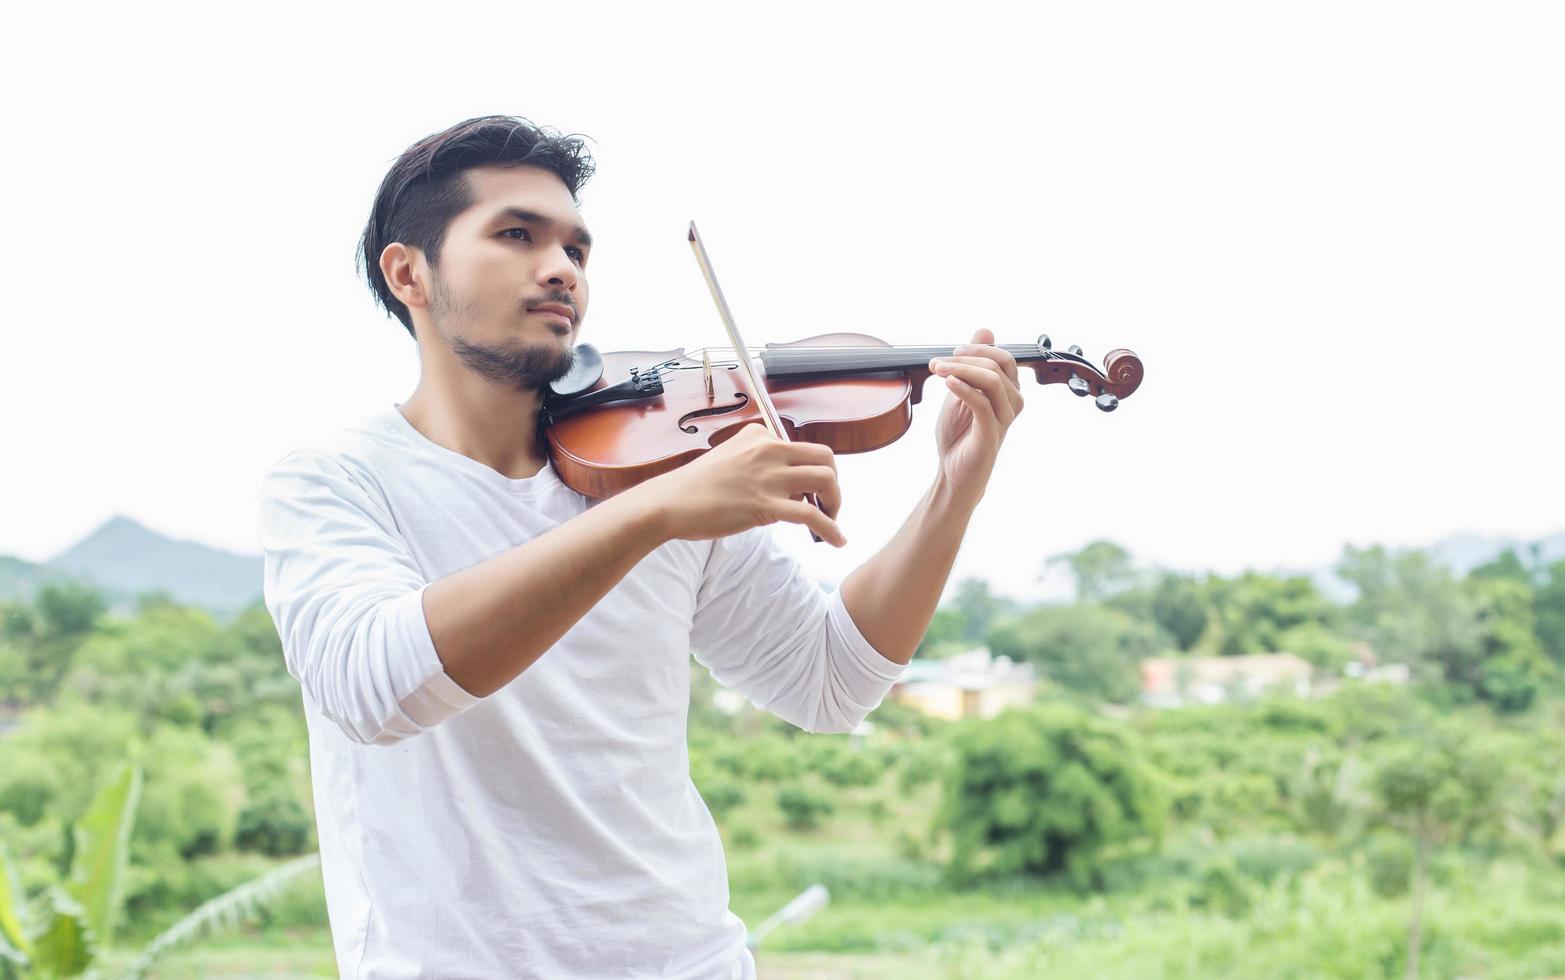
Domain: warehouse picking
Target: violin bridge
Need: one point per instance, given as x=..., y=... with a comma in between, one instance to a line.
x=706, y=375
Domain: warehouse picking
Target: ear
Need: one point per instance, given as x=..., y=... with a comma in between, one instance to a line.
x=404, y=270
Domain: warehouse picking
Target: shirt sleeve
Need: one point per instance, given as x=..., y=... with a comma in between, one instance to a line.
x=347, y=598
x=767, y=631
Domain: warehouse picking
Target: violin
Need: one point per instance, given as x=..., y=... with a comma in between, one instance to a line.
x=620, y=418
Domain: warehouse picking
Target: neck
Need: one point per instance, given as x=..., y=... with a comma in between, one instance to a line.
x=490, y=423
x=803, y=360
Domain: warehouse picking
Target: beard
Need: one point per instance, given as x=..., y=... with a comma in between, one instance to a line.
x=513, y=362
x=525, y=367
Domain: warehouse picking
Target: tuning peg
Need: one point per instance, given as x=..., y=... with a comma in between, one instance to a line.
x=1074, y=350
x=1107, y=401
x=1077, y=385
x=1045, y=342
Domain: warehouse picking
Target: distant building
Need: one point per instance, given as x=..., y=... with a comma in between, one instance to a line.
x=1367, y=667
x=967, y=685
x=1168, y=682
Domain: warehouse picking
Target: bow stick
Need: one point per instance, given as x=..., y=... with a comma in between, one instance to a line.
x=763, y=398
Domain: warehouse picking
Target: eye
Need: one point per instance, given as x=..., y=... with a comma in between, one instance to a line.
x=580, y=255
x=524, y=231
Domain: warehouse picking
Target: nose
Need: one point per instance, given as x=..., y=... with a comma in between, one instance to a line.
x=558, y=269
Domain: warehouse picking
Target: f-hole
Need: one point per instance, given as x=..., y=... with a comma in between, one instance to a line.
x=701, y=413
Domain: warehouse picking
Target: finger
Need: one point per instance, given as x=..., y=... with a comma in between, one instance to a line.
x=979, y=404
x=819, y=480
x=750, y=433
x=988, y=380
x=799, y=512
x=983, y=335
x=999, y=355
x=830, y=501
x=800, y=453
x=1014, y=394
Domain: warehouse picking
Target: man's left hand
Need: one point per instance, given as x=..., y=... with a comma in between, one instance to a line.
x=986, y=398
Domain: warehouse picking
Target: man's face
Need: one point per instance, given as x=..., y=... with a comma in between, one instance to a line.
x=520, y=246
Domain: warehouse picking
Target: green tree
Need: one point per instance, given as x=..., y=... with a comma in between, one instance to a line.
x=39, y=643
x=1180, y=605
x=1255, y=612
x=1047, y=790
x=1437, y=789
x=195, y=789
x=1092, y=650
x=965, y=620
x=1512, y=566
x=946, y=633
x=1414, y=612
x=1511, y=667
x=1101, y=569
x=1548, y=605
x=979, y=608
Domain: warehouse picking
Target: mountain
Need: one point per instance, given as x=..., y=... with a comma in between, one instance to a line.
x=1460, y=553
x=125, y=559
x=1466, y=552
x=17, y=576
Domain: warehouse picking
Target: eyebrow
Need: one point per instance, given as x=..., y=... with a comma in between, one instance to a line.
x=534, y=218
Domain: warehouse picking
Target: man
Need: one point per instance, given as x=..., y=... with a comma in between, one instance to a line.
x=495, y=669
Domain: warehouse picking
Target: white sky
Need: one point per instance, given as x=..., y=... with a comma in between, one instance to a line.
x=1333, y=231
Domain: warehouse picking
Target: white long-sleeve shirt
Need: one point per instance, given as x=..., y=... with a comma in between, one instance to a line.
x=550, y=829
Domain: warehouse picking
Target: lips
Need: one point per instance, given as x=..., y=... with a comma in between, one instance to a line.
x=560, y=310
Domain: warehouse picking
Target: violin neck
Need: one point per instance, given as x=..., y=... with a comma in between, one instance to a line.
x=829, y=362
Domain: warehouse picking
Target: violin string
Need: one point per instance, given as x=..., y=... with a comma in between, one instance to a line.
x=1028, y=350
x=803, y=357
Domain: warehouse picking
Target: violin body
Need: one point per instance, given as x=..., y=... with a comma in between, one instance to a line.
x=851, y=392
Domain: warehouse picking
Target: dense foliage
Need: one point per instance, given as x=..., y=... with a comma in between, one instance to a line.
x=1370, y=827
x=1045, y=791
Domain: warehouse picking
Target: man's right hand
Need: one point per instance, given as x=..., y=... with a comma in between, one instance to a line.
x=750, y=479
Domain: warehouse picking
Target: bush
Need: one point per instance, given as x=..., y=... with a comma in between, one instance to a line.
x=769, y=759
x=193, y=794
x=1266, y=859
x=918, y=764
x=1389, y=861
x=161, y=890
x=1045, y=791
x=854, y=767
x=27, y=787
x=1223, y=889
x=804, y=807
x=274, y=825
x=721, y=796
x=743, y=837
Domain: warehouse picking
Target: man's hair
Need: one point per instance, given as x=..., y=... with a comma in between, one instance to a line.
x=427, y=187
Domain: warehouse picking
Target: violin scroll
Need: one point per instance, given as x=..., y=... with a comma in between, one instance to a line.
x=1120, y=377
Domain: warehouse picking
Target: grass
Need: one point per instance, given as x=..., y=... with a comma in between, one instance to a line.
x=1313, y=914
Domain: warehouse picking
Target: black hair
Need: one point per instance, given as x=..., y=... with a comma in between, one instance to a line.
x=426, y=187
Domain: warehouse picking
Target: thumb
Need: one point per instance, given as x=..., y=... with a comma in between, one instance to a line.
x=983, y=336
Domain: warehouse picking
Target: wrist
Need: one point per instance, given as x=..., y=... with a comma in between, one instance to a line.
x=949, y=500
x=647, y=515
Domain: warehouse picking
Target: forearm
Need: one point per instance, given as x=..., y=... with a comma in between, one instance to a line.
x=491, y=621
x=893, y=596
